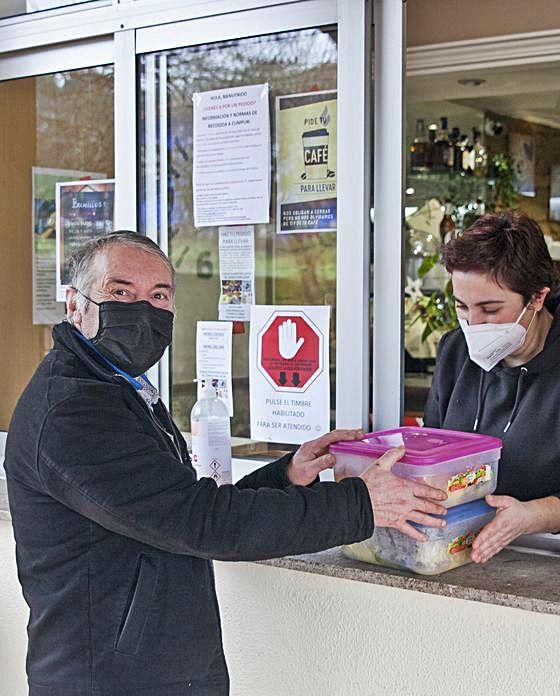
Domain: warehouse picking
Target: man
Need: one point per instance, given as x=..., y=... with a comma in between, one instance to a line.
x=113, y=531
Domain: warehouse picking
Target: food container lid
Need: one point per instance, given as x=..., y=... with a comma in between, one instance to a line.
x=466, y=511
x=424, y=446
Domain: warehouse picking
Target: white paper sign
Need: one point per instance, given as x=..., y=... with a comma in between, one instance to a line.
x=231, y=153
x=237, y=272
x=289, y=373
x=213, y=358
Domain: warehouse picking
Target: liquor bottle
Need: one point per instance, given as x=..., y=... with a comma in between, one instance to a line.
x=480, y=155
x=447, y=224
x=443, y=150
x=211, y=437
x=420, y=149
x=455, y=139
x=468, y=155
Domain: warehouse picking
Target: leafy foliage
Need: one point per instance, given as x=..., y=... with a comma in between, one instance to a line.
x=436, y=311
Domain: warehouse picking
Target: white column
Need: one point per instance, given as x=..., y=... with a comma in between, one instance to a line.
x=388, y=374
x=125, y=131
x=353, y=232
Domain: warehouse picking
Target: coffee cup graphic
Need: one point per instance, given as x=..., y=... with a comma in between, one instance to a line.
x=316, y=153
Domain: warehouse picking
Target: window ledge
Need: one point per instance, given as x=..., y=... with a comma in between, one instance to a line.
x=512, y=579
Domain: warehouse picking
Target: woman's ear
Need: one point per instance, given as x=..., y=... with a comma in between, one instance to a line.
x=538, y=299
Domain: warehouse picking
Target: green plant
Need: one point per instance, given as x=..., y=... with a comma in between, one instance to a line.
x=505, y=182
x=436, y=311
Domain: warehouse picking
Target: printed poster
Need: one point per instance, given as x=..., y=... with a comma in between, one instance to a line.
x=46, y=310
x=289, y=384
x=213, y=358
x=237, y=272
x=306, y=133
x=231, y=156
x=84, y=210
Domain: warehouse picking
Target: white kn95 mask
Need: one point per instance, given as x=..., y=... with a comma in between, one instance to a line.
x=490, y=343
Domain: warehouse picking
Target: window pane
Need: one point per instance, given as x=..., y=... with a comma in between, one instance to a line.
x=62, y=121
x=295, y=269
x=494, y=125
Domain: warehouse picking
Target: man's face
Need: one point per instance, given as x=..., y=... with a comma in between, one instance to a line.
x=122, y=274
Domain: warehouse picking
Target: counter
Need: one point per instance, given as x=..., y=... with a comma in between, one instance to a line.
x=512, y=578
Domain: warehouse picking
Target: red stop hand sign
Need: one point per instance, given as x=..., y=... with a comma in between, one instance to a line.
x=290, y=351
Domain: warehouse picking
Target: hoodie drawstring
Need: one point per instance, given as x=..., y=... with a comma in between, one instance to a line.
x=479, y=400
x=518, y=394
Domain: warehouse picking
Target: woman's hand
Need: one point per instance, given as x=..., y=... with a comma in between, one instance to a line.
x=312, y=457
x=514, y=518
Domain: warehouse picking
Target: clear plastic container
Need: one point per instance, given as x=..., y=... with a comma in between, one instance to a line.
x=465, y=465
x=446, y=548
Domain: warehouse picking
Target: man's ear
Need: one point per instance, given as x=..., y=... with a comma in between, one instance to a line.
x=538, y=299
x=73, y=314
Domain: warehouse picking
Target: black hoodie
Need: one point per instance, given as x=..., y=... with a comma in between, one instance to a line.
x=520, y=405
x=114, y=534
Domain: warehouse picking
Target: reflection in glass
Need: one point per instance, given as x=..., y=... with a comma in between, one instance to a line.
x=55, y=123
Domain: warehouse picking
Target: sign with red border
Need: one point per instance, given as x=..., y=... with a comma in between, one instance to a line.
x=289, y=373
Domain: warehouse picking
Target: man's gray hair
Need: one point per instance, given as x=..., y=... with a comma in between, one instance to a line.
x=82, y=261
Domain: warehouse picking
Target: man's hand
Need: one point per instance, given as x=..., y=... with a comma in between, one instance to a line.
x=396, y=501
x=514, y=518
x=312, y=457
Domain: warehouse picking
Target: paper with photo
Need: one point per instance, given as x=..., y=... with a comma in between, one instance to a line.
x=237, y=272
x=46, y=310
x=84, y=210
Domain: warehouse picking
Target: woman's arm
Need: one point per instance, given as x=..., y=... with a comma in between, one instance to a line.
x=514, y=518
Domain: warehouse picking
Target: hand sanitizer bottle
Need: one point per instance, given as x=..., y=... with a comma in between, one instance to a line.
x=211, y=437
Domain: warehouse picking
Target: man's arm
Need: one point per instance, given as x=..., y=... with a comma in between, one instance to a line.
x=300, y=468
x=102, y=464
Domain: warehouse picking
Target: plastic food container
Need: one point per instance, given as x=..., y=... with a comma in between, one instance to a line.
x=465, y=465
x=446, y=548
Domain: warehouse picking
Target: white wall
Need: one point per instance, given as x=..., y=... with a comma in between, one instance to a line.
x=13, y=619
x=289, y=633
x=296, y=634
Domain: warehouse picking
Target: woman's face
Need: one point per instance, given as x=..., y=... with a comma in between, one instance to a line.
x=480, y=300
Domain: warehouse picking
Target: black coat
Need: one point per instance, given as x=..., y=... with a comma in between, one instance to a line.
x=114, y=534
x=526, y=397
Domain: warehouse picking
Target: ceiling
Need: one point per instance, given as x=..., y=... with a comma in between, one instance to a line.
x=531, y=93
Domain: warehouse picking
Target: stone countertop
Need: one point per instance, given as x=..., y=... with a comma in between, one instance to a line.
x=513, y=579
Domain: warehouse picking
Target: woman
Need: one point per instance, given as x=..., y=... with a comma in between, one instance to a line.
x=499, y=373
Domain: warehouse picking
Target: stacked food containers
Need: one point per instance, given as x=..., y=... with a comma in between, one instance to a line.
x=465, y=465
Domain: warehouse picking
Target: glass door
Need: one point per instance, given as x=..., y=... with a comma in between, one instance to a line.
x=300, y=65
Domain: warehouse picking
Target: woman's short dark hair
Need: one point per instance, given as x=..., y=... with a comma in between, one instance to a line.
x=509, y=247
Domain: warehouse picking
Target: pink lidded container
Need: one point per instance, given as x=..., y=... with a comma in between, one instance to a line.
x=465, y=465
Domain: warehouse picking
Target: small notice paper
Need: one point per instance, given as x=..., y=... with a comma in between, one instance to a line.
x=213, y=359
x=237, y=272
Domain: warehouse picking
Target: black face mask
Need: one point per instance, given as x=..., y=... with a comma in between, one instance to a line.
x=132, y=335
